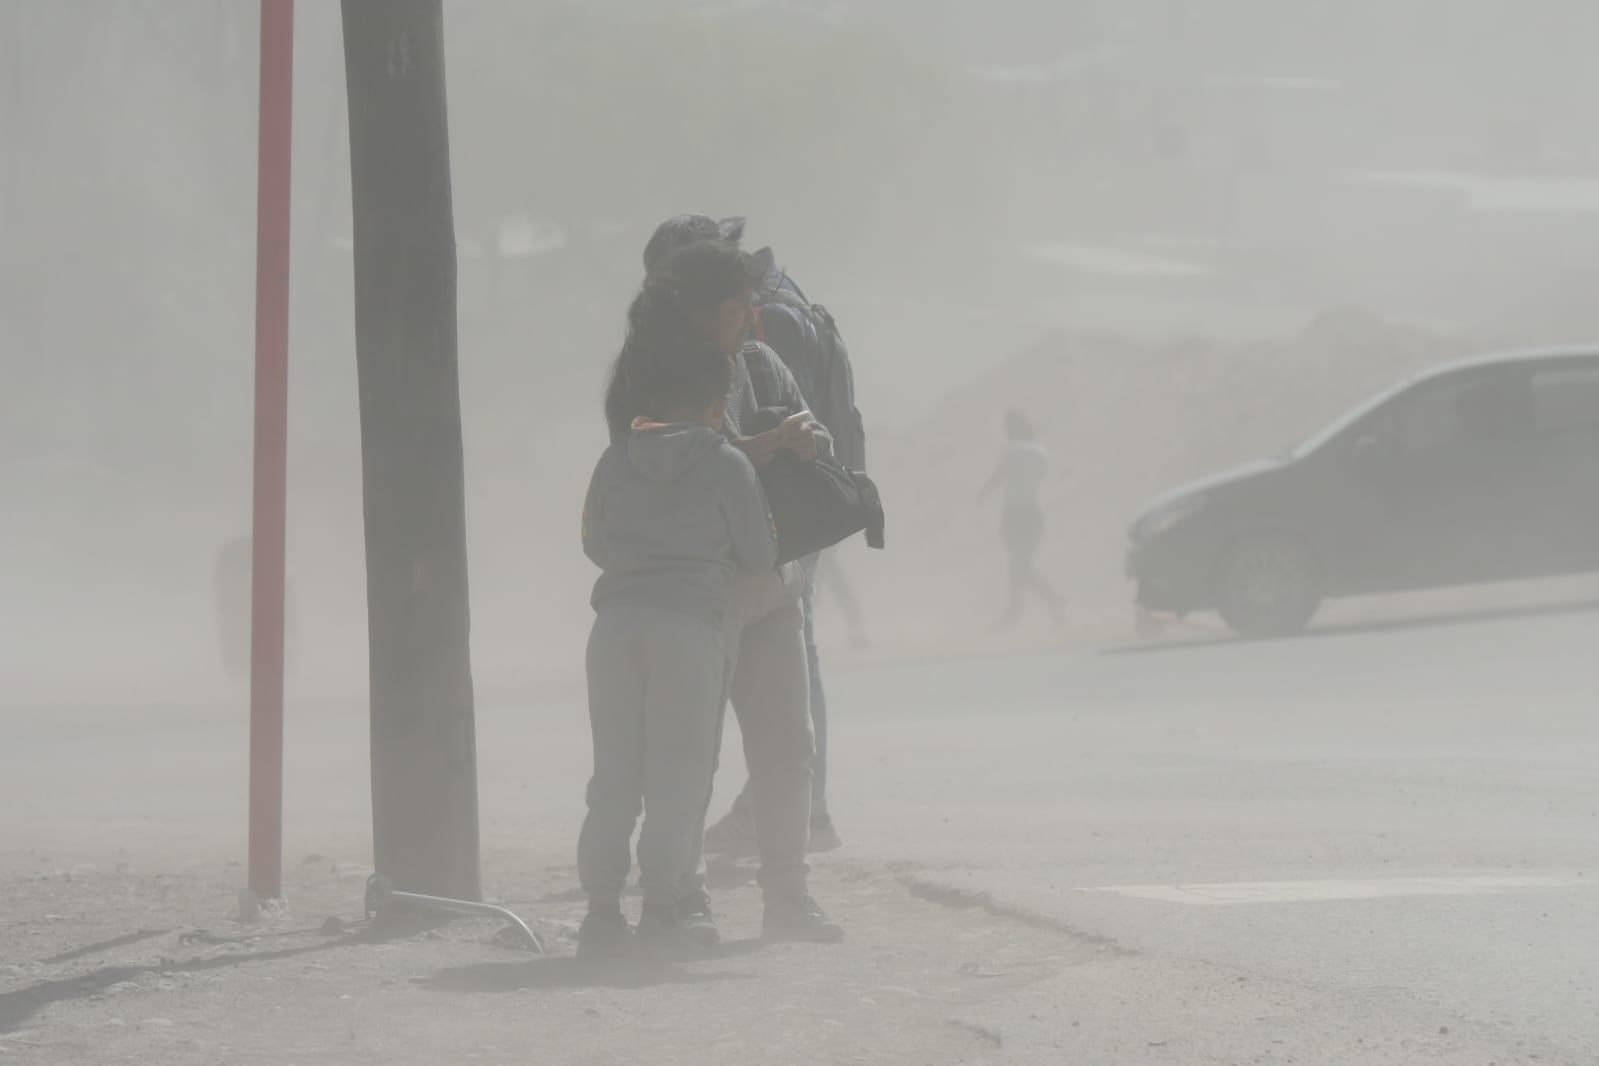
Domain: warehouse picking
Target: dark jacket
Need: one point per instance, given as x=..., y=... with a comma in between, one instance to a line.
x=807, y=341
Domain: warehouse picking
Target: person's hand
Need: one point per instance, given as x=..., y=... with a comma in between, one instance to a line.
x=762, y=447
x=798, y=436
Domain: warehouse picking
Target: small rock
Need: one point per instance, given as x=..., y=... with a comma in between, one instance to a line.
x=1443, y=1030
x=333, y=926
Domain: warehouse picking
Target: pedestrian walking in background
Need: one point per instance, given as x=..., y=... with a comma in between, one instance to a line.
x=1019, y=476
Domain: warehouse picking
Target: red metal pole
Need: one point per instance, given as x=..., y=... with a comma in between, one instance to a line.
x=271, y=448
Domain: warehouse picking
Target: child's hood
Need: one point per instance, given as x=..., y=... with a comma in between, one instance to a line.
x=664, y=452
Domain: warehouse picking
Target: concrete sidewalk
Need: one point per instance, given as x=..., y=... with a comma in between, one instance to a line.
x=113, y=966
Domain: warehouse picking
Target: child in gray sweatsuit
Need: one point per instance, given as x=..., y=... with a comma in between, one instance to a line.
x=674, y=513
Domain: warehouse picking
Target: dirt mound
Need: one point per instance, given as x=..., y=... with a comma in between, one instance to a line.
x=1124, y=420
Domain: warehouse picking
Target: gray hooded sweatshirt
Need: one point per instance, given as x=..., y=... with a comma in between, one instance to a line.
x=674, y=513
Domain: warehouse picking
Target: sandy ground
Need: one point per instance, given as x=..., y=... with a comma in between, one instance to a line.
x=129, y=965
x=994, y=807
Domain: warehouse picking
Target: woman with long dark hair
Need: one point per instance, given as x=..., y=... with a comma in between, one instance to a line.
x=698, y=291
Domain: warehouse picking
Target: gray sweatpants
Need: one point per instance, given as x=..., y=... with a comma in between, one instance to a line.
x=770, y=695
x=656, y=685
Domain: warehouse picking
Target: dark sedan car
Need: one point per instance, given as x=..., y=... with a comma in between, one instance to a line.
x=1481, y=471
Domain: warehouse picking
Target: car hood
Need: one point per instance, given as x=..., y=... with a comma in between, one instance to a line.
x=1232, y=476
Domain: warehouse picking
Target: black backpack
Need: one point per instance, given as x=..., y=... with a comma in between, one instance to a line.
x=828, y=381
x=815, y=504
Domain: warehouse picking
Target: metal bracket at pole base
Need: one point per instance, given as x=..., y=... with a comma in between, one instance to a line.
x=382, y=896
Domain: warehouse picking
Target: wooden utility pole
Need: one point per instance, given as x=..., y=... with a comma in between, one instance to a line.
x=424, y=748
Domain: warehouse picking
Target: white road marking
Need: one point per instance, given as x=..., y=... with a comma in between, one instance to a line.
x=1217, y=895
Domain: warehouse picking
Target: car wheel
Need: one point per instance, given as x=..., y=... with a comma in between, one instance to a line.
x=1269, y=587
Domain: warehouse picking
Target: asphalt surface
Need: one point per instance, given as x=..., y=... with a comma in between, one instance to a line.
x=1373, y=845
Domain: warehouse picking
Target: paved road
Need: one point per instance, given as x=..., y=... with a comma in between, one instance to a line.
x=1364, y=846
x=1404, y=824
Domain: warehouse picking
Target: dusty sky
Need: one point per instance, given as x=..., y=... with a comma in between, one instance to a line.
x=954, y=179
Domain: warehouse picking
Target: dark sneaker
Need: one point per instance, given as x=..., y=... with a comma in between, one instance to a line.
x=697, y=922
x=604, y=934
x=823, y=836
x=734, y=835
x=659, y=928
x=800, y=918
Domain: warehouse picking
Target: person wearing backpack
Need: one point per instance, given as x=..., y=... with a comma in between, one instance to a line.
x=768, y=686
x=807, y=341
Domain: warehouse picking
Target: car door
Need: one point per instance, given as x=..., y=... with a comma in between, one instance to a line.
x=1564, y=533
x=1452, y=480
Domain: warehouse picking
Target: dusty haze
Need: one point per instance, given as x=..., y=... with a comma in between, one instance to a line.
x=1176, y=237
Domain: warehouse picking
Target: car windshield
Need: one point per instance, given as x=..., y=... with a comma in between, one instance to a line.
x=1341, y=425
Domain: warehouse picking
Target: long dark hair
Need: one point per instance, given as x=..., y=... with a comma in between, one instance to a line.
x=668, y=337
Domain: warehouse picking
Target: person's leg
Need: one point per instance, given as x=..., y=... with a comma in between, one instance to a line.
x=1031, y=577
x=684, y=666
x=694, y=876
x=771, y=698
x=837, y=585
x=818, y=701
x=1013, y=534
x=734, y=834
x=1046, y=592
x=616, y=790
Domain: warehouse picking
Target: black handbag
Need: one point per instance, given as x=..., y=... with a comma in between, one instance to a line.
x=816, y=504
